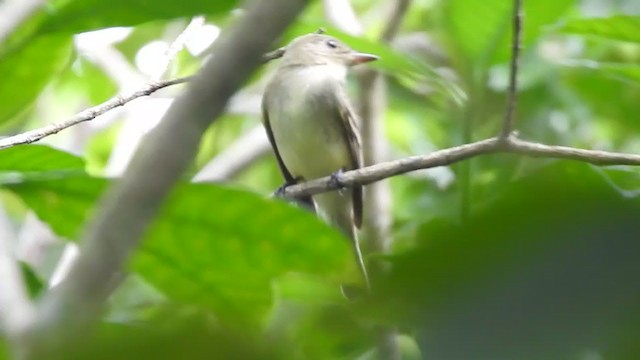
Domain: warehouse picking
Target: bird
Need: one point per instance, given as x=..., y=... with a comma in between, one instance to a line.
x=312, y=126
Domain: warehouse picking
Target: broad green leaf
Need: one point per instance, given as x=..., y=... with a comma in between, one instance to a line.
x=23, y=162
x=543, y=272
x=212, y=246
x=38, y=158
x=85, y=15
x=27, y=70
x=618, y=27
x=221, y=248
x=65, y=203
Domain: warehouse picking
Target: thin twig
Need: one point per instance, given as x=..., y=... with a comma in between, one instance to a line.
x=512, y=92
x=86, y=115
x=456, y=154
x=595, y=157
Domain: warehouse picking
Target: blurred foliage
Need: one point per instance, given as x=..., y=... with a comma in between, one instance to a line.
x=545, y=271
x=620, y=27
x=543, y=268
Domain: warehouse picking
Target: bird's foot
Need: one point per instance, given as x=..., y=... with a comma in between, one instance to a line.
x=335, y=183
x=279, y=193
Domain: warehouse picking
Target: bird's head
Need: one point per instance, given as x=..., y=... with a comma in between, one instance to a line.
x=320, y=49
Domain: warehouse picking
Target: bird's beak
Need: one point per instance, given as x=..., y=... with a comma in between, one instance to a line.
x=359, y=58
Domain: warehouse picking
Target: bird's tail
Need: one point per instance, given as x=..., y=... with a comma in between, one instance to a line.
x=336, y=209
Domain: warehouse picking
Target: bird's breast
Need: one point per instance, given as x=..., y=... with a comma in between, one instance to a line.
x=306, y=126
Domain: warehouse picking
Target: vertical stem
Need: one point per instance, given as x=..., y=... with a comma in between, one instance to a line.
x=512, y=93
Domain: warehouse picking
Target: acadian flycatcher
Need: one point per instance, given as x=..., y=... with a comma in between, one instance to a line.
x=312, y=126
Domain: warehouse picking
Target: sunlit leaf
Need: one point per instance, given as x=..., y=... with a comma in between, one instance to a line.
x=65, y=203
x=38, y=158
x=85, y=15
x=27, y=70
x=28, y=162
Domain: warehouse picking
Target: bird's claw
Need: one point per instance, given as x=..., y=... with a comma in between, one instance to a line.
x=335, y=183
x=279, y=193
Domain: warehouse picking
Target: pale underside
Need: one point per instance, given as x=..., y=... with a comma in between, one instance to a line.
x=310, y=136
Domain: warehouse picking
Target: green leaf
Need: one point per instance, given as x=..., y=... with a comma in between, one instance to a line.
x=64, y=203
x=27, y=70
x=84, y=15
x=38, y=158
x=221, y=248
x=24, y=162
x=618, y=27
x=211, y=246
x=544, y=272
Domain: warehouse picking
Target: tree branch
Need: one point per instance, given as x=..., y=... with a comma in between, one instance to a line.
x=127, y=209
x=595, y=157
x=455, y=154
x=512, y=92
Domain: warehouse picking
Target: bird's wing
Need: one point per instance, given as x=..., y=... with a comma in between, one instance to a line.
x=349, y=124
x=305, y=201
x=267, y=126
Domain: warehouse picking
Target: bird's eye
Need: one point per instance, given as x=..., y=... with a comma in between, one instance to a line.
x=332, y=44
